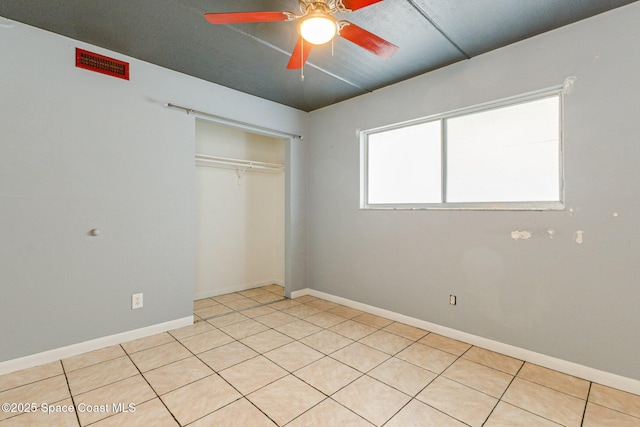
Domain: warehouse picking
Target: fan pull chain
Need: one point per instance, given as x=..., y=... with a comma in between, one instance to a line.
x=332, y=45
x=302, y=61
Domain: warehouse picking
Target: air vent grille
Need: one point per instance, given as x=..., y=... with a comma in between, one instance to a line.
x=102, y=64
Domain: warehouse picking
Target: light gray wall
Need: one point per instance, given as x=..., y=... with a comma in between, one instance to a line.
x=552, y=296
x=81, y=150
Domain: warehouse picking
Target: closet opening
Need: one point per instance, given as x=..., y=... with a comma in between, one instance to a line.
x=240, y=210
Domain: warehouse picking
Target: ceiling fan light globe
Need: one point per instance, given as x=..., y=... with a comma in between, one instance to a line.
x=318, y=29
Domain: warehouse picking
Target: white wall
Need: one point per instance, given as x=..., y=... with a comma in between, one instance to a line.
x=81, y=150
x=576, y=302
x=239, y=222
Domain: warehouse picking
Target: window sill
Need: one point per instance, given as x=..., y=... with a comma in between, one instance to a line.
x=485, y=206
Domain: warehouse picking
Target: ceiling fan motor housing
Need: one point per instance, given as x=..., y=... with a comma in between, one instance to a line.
x=318, y=27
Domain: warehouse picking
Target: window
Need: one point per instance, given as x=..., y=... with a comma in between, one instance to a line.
x=504, y=155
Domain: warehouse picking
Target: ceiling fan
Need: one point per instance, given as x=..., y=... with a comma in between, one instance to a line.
x=316, y=26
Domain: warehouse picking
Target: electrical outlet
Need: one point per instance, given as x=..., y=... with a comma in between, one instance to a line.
x=136, y=301
x=452, y=299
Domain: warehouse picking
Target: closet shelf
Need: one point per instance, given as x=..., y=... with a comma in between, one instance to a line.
x=228, y=163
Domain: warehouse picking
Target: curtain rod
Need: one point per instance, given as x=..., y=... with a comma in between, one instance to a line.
x=238, y=123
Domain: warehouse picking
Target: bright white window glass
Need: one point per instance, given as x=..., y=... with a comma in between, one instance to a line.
x=509, y=154
x=405, y=166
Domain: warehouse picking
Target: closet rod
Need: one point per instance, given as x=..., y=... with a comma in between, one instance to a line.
x=239, y=123
x=247, y=164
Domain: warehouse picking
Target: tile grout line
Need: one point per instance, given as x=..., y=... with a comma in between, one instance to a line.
x=105, y=385
x=584, y=413
x=214, y=372
x=326, y=396
x=616, y=410
x=150, y=386
x=411, y=398
x=523, y=409
x=438, y=376
x=324, y=355
x=555, y=389
x=362, y=374
x=244, y=396
x=73, y=400
x=458, y=357
x=505, y=389
x=348, y=409
x=587, y=401
x=258, y=354
x=233, y=310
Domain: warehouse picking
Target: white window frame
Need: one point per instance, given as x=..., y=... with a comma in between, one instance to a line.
x=533, y=205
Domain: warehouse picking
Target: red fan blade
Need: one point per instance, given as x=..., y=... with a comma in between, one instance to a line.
x=299, y=55
x=358, y=4
x=367, y=40
x=241, y=17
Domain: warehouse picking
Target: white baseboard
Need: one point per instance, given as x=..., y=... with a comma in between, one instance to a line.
x=237, y=288
x=302, y=292
x=86, y=346
x=601, y=377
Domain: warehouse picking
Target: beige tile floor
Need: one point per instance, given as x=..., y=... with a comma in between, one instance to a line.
x=254, y=358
